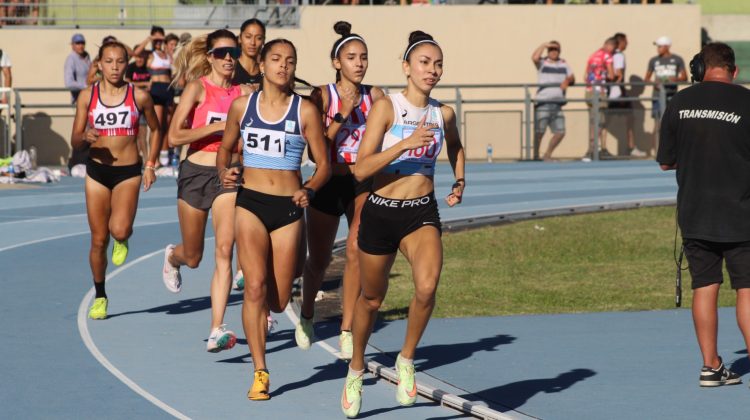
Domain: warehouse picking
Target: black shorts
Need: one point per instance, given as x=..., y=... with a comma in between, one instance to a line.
x=705, y=261
x=110, y=176
x=339, y=193
x=162, y=94
x=385, y=222
x=199, y=185
x=274, y=211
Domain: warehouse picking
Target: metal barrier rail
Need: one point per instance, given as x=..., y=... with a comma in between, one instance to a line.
x=458, y=99
x=5, y=115
x=145, y=13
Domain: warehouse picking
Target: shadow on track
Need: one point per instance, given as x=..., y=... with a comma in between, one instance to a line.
x=514, y=395
x=185, y=306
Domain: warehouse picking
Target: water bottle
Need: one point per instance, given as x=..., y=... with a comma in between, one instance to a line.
x=175, y=164
x=11, y=174
x=32, y=156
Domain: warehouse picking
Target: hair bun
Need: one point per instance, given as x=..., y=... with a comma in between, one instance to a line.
x=343, y=28
x=417, y=36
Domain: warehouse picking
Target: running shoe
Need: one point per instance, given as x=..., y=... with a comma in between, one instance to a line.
x=259, y=390
x=271, y=324
x=238, y=282
x=171, y=274
x=303, y=333
x=99, y=309
x=346, y=345
x=351, y=398
x=406, y=391
x=221, y=339
x=719, y=376
x=119, y=252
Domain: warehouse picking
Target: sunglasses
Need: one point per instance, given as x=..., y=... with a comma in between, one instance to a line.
x=79, y=43
x=553, y=49
x=220, y=53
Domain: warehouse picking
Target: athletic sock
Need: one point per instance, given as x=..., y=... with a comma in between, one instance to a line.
x=406, y=361
x=353, y=372
x=307, y=318
x=262, y=370
x=99, y=287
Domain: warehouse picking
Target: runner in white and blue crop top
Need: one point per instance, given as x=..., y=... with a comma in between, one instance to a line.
x=405, y=133
x=273, y=125
x=344, y=106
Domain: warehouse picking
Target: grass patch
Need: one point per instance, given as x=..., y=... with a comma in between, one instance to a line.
x=612, y=261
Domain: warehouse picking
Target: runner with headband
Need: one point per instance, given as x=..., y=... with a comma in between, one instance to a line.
x=106, y=119
x=275, y=125
x=345, y=106
x=207, y=64
x=405, y=133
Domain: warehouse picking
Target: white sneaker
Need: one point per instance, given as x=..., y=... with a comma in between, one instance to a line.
x=638, y=153
x=238, y=282
x=171, y=274
x=303, y=333
x=221, y=339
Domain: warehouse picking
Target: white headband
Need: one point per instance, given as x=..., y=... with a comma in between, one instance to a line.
x=344, y=41
x=408, y=50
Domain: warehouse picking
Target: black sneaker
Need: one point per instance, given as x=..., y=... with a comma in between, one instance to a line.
x=604, y=154
x=718, y=377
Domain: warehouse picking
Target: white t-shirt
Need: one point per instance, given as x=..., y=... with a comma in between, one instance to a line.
x=618, y=63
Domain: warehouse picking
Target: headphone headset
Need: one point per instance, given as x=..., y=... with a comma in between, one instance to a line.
x=697, y=68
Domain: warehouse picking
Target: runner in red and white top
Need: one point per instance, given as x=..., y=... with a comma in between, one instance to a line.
x=106, y=122
x=207, y=65
x=345, y=106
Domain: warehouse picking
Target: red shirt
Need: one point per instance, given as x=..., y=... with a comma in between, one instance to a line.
x=596, y=68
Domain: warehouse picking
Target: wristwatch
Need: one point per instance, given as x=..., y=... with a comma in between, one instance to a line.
x=339, y=118
x=310, y=193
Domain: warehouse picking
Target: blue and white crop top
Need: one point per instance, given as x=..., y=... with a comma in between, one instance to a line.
x=272, y=145
x=406, y=118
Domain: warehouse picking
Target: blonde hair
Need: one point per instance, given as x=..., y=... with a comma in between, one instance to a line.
x=191, y=62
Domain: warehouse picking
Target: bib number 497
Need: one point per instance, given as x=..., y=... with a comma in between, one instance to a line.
x=111, y=119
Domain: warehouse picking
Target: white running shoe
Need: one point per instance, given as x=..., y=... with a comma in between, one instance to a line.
x=303, y=333
x=171, y=274
x=221, y=339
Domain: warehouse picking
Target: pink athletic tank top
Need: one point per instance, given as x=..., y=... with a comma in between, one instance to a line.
x=213, y=108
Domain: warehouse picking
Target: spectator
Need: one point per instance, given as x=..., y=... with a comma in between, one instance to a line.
x=617, y=92
x=77, y=67
x=706, y=137
x=599, y=70
x=665, y=67
x=5, y=75
x=137, y=74
x=552, y=70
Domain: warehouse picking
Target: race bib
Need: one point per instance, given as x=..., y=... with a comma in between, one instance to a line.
x=212, y=117
x=262, y=142
x=109, y=118
x=347, y=142
x=424, y=154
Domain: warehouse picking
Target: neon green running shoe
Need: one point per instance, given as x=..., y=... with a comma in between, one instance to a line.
x=303, y=333
x=406, y=391
x=99, y=309
x=346, y=345
x=351, y=398
x=119, y=252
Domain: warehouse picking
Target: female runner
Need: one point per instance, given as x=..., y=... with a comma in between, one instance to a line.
x=207, y=63
x=405, y=133
x=111, y=109
x=346, y=105
x=274, y=123
x=159, y=64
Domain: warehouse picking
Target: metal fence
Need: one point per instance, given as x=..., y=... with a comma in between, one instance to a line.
x=516, y=100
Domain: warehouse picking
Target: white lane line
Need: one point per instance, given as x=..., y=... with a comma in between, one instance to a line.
x=67, y=216
x=89, y=342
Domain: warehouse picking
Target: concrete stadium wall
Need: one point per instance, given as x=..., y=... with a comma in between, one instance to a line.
x=482, y=45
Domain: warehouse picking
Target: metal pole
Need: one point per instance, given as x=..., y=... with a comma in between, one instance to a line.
x=595, y=108
x=459, y=111
x=662, y=99
x=527, y=106
x=19, y=122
